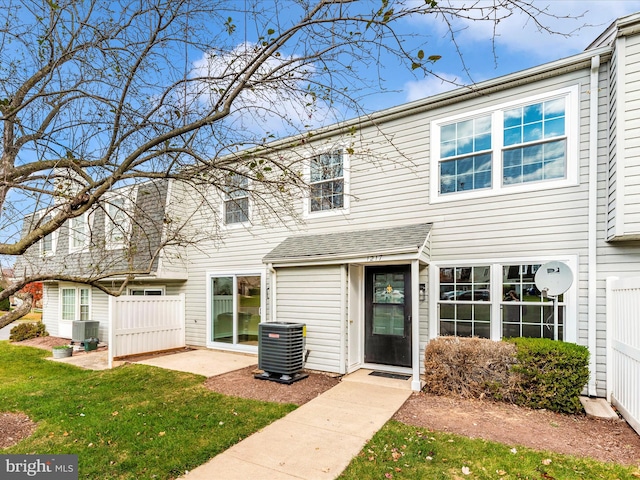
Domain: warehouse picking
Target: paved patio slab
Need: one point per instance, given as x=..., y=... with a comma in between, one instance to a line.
x=203, y=362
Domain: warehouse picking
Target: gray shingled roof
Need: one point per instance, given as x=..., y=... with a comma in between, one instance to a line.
x=358, y=243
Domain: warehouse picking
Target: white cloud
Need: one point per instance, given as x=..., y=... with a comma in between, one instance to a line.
x=519, y=34
x=417, y=89
x=278, y=102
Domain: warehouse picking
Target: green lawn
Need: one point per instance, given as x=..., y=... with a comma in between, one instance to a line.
x=133, y=422
x=402, y=452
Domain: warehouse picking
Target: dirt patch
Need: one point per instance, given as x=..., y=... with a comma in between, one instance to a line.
x=241, y=383
x=14, y=427
x=579, y=435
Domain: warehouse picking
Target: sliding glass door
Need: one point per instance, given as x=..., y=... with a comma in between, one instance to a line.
x=236, y=309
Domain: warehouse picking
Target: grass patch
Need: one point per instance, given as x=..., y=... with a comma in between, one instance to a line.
x=132, y=422
x=32, y=316
x=400, y=451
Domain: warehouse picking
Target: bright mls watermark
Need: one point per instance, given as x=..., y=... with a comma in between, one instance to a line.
x=45, y=467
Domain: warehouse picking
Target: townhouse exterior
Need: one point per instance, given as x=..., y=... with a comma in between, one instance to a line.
x=432, y=219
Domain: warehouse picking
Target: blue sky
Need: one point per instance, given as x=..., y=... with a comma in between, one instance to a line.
x=518, y=45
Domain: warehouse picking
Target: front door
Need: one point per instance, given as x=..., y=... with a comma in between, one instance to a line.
x=388, y=315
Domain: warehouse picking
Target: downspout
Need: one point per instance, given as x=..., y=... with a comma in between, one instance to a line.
x=593, y=224
x=272, y=292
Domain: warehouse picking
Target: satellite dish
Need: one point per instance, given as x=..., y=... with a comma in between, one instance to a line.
x=554, y=278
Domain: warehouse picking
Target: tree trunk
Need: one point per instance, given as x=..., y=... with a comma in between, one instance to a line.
x=19, y=312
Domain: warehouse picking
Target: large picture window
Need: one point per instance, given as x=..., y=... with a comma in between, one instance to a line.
x=496, y=301
x=515, y=146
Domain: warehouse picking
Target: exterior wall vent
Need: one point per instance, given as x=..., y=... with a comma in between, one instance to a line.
x=281, y=351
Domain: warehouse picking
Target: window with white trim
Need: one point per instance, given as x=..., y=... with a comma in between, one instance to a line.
x=327, y=181
x=48, y=242
x=236, y=203
x=235, y=308
x=75, y=303
x=471, y=299
x=78, y=232
x=514, y=146
x=117, y=222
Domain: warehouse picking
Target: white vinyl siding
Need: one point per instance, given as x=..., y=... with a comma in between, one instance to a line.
x=313, y=296
x=391, y=185
x=624, y=180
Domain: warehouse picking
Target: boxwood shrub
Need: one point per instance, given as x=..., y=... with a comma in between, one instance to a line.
x=25, y=331
x=533, y=372
x=551, y=374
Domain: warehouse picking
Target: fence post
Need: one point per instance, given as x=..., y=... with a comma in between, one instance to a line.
x=110, y=320
x=609, y=319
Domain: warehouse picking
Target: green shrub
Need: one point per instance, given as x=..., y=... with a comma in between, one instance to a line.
x=551, y=374
x=5, y=306
x=537, y=373
x=25, y=331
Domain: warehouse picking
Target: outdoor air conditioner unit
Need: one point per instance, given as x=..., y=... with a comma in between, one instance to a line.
x=281, y=351
x=82, y=330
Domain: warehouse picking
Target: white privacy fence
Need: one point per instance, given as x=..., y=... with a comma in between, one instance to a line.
x=623, y=334
x=143, y=324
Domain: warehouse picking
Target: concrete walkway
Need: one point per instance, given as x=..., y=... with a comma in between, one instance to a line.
x=316, y=441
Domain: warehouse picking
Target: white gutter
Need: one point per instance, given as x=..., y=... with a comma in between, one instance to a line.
x=593, y=224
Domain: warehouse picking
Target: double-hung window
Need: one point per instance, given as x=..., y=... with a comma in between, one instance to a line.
x=535, y=144
x=466, y=156
x=117, y=222
x=327, y=181
x=236, y=203
x=78, y=232
x=47, y=244
x=515, y=146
